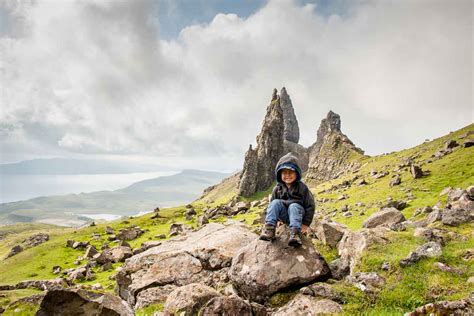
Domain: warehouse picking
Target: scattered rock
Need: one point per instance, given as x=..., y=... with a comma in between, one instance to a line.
x=385, y=216
x=91, y=251
x=352, y=245
x=35, y=240
x=450, y=144
x=329, y=233
x=429, y=250
x=385, y=266
x=129, y=233
x=80, y=244
x=416, y=171
x=322, y=290
x=461, y=307
x=115, y=254
x=109, y=230
x=14, y=251
x=446, y=268
x=307, y=305
x=63, y=302
x=396, y=180
x=369, y=282
x=176, y=229
x=468, y=143
x=250, y=271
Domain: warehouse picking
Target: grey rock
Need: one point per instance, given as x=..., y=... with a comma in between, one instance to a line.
x=188, y=299
x=153, y=295
x=353, y=244
x=91, y=251
x=35, y=240
x=202, y=256
x=14, y=251
x=115, y=254
x=429, y=250
x=80, y=302
x=322, y=290
x=385, y=216
x=129, y=233
x=329, y=233
x=461, y=307
x=250, y=271
x=395, y=180
x=226, y=305
x=369, y=282
x=291, y=130
x=259, y=164
x=416, y=171
x=307, y=305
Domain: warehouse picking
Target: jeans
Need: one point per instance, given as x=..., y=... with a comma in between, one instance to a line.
x=293, y=215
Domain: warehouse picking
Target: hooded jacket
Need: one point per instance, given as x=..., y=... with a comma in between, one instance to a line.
x=298, y=191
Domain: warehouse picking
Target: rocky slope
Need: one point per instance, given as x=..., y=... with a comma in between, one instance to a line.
x=392, y=236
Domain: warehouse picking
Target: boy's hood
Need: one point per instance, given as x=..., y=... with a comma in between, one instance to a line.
x=289, y=160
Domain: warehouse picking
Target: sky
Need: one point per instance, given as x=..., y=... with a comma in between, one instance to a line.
x=187, y=82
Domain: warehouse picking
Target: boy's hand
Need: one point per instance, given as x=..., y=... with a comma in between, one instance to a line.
x=304, y=228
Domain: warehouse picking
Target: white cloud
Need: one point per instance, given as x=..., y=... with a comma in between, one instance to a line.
x=97, y=76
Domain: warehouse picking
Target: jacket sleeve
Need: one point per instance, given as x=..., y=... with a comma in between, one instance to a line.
x=309, y=207
x=274, y=193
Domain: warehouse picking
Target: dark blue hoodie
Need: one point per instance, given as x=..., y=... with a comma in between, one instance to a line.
x=298, y=191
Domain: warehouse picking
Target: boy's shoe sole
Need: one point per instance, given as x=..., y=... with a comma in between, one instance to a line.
x=266, y=238
x=294, y=243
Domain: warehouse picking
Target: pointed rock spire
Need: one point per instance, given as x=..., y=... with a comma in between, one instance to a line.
x=292, y=130
x=259, y=165
x=333, y=152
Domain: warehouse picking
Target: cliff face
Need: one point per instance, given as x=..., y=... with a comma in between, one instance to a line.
x=333, y=152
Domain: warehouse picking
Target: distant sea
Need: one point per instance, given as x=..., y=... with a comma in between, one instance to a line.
x=22, y=187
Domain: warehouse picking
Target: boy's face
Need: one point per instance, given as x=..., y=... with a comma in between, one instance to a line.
x=288, y=176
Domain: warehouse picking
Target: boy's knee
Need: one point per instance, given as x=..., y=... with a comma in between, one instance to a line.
x=295, y=207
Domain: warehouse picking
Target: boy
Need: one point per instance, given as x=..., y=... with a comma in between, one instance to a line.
x=291, y=202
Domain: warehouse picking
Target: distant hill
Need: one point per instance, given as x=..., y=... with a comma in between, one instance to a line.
x=141, y=196
x=75, y=166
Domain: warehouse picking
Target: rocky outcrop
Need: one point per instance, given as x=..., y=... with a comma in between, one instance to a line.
x=262, y=268
x=259, y=164
x=461, y=307
x=429, y=250
x=201, y=257
x=291, y=130
x=331, y=155
x=81, y=302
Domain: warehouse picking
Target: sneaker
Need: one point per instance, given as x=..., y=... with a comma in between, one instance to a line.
x=295, y=238
x=268, y=233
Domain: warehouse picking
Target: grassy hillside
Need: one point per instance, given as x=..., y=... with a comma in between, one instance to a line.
x=406, y=288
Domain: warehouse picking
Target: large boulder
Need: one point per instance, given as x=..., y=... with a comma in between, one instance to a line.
x=202, y=256
x=77, y=302
x=262, y=268
x=385, y=216
x=308, y=305
x=188, y=299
